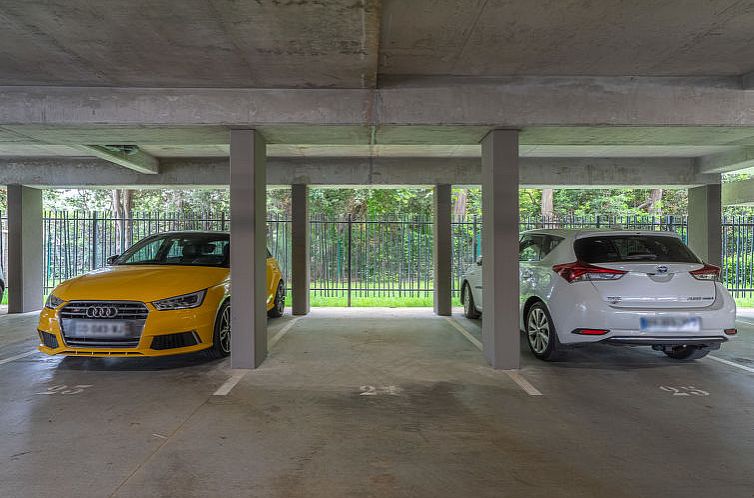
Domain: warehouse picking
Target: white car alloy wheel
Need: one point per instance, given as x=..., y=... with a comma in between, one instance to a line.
x=469, y=307
x=541, y=334
x=538, y=330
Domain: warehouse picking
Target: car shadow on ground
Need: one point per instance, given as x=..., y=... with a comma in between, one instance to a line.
x=155, y=363
x=592, y=356
x=606, y=357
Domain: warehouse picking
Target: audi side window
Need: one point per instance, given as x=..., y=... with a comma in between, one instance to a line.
x=147, y=253
x=529, y=248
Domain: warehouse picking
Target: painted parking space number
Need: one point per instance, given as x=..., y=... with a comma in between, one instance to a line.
x=375, y=391
x=684, y=391
x=65, y=389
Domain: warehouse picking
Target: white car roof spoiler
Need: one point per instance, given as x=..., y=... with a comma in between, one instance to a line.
x=581, y=235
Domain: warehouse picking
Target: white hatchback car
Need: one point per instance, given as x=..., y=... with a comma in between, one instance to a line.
x=620, y=287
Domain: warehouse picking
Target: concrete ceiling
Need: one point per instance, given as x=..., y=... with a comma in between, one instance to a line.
x=355, y=43
x=189, y=43
x=383, y=79
x=567, y=37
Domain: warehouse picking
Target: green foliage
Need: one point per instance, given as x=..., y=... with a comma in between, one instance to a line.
x=332, y=202
x=360, y=202
x=529, y=200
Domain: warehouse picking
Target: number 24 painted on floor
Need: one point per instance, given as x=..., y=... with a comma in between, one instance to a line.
x=374, y=391
x=684, y=391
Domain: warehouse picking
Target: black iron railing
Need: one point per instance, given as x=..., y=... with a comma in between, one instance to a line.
x=352, y=257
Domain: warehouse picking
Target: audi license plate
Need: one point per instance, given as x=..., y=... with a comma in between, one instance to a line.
x=671, y=324
x=101, y=329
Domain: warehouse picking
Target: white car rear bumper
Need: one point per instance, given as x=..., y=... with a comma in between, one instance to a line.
x=579, y=307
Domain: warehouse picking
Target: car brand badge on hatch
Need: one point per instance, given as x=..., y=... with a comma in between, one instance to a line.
x=662, y=269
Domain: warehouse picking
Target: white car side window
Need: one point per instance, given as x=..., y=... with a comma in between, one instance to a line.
x=528, y=249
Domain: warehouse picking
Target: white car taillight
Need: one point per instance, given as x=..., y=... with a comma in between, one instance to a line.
x=578, y=272
x=706, y=272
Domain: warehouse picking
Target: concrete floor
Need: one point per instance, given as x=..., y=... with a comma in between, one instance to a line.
x=367, y=402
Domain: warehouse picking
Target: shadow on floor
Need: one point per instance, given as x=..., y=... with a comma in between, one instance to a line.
x=137, y=364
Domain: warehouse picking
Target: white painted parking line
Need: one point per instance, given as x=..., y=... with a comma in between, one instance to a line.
x=515, y=375
x=731, y=363
x=473, y=340
x=282, y=332
x=523, y=383
x=230, y=383
x=17, y=357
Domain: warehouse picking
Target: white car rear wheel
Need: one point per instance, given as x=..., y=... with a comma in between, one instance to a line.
x=540, y=332
x=469, y=307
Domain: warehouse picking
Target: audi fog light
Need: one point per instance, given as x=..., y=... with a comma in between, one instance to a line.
x=186, y=301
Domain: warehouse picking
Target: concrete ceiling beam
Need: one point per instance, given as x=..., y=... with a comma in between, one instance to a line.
x=377, y=172
x=515, y=102
x=726, y=162
x=738, y=193
x=136, y=159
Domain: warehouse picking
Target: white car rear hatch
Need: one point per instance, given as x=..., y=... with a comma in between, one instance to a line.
x=654, y=271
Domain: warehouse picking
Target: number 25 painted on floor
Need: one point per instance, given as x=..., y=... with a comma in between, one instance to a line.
x=684, y=391
x=64, y=389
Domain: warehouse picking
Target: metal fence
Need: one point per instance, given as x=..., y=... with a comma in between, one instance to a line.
x=352, y=258
x=738, y=255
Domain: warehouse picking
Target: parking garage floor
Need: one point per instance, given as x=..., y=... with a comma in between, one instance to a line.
x=375, y=402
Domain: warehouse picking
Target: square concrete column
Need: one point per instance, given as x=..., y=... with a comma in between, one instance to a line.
x=248, y=248
x=705, y=233
x=24, y=278
x=443, y=258
x=300, y=259
x=500, y=320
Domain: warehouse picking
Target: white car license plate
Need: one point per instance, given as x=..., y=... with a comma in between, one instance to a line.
x=671, y=324
x=108, y=328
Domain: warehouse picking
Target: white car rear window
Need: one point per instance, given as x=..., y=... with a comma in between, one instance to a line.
x=633, y=248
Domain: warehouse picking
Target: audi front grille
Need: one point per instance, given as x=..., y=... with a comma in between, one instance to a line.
x=133, y=312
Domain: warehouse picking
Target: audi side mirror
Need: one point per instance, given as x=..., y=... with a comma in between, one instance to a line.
x=112, y=259
x=479, y=261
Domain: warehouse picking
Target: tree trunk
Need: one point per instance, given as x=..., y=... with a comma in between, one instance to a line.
x=122, y=202
x=459, y=209
x=653, y=203
x=127, y=197
x=547, y=208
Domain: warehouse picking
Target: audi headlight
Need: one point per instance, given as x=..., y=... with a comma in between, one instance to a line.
x=186, y=301
x=53, y=301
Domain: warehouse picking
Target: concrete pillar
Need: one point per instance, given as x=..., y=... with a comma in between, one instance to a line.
x=24, y=279
x=500, y=321
x=300, y=259
x=248, y=249
x=443, y=258
x=705, y=235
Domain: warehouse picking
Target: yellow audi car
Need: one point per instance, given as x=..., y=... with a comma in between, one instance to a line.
x=168, y=294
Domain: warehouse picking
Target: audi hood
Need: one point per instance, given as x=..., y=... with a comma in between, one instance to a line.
x=140, y=283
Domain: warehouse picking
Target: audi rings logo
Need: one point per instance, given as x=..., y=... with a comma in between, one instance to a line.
x=101, y=312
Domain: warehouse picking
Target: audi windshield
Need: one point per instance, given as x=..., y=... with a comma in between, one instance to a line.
x=181, y=249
